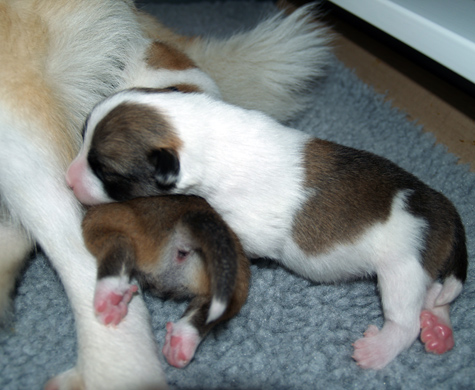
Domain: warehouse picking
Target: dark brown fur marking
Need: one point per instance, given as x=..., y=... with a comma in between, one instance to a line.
x=131, y=126
x=346, y=200
x=123, y=148
x=185, y=88
x=445, y=252
x=355, y=189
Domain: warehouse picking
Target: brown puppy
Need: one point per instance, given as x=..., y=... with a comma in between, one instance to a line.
x=179, y=247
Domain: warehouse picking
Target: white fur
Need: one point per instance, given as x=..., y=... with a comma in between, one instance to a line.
x=451, y=289
x=216, y=309
x=159, y=78
x=272, y=63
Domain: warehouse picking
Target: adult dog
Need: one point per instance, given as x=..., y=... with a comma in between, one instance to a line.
x=59, y=58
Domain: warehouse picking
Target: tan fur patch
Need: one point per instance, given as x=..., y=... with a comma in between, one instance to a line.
x=344, y=202
x=24, y=86
x=121, y=218
x=162, y=55
x=201, y=284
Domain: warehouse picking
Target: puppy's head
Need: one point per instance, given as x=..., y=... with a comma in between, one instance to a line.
x=129, y=151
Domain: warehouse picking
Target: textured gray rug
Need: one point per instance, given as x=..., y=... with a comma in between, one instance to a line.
x=291, y=334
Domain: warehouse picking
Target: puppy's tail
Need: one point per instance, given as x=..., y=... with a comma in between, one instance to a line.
x=270, y=67
x=226, y=265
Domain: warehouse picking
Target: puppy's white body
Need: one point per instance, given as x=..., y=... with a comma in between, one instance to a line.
x=59, y=58
x=256, y=182
x=283, y=192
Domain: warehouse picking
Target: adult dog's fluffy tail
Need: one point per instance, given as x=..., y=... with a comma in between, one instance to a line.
x=269, y=67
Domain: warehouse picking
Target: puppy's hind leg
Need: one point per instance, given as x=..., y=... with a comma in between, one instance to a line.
x=436, y=329
x=15, y=245
x=403, y=285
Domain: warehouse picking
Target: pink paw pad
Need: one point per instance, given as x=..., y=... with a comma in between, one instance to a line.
x=364, y=348
x=180, y=345
x=374, y=350
x=111, y=300
x=436, y=336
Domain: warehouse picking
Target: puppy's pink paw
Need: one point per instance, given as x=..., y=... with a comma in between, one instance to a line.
x=180, y=345
x=370, y=352
x=436, y=336
x=111, y=299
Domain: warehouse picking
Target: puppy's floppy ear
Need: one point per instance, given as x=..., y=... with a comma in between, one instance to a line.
x=167, y=167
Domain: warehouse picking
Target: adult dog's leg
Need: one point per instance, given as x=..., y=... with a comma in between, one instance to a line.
x=33, y=188
x=15, y=245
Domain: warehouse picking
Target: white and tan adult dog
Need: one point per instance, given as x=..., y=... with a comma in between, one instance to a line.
x=58, y=59
x=325, y=211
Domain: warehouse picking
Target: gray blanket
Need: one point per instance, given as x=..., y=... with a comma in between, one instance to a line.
x=291, y=334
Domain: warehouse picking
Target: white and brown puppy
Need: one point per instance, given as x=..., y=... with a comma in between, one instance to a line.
x=58, y=59
x=178, y=247
x=325, y=211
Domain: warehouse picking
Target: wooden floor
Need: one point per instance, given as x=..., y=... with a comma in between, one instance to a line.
x=443, y=109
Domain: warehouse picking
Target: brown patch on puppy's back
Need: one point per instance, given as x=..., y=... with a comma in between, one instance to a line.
x=162, y=55
x=348, y=194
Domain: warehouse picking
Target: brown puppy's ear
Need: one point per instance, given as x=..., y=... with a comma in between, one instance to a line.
x=167, y=167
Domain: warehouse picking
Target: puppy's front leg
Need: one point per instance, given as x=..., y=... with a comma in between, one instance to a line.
x=111, y=299
x=116, y=260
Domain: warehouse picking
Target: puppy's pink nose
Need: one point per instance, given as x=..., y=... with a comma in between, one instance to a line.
x=73, y=173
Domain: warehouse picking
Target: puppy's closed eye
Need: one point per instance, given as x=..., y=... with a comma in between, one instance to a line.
x=95, y=165
x=167, y=167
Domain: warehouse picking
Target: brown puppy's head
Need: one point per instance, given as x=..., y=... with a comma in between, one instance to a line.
x=134, y=152
x=130, y=151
